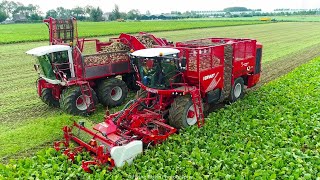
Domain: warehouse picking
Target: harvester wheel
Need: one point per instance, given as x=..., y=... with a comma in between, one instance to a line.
x=73, y=102
x=237, y=90
x=112, y=92
x=47, y=97
x=182, y=112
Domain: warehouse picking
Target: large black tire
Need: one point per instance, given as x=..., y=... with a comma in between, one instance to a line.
x=237, y=91
x=47, y=97
x=68, y=101
x=130, y=80
x=178, y=112
x=112, y=92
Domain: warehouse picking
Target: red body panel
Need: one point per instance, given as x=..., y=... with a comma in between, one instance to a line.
x=144, y=118
x=92, y=72
x=205, y=63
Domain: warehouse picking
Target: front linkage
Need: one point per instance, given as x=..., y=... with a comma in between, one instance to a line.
x=119, y=138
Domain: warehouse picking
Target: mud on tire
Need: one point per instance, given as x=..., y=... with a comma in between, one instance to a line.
x=237, y=90
x=178, y=112
x=69, y=98
x=47, y=97
x=112, y=92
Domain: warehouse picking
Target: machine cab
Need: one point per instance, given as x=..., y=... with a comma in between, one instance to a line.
x=157, y=67
x=54, y=63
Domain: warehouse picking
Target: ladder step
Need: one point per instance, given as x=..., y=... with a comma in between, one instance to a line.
x=86, y=90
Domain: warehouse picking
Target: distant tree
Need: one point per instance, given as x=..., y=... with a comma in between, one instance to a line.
x=235, y=9
x=78, y=12
x=123, y=15
x=115, y=13
x=35, y=17
x=63, y=13
x=52, y=13
x=9, y=6
x=3, y=16
x=27, y=11
x=148, y=13
x=133, y=14
x=88, y=9
x=96, y=14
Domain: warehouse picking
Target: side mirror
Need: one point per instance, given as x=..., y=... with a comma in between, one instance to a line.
x=183, y=63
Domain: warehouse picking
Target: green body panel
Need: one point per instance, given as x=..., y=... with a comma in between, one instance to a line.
x=46, y=61
x=46, y=67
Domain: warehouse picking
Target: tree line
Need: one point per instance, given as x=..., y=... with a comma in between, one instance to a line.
x=11, y=9
x=32, y=13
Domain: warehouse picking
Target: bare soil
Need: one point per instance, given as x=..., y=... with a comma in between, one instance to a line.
x=283, y=65
x=279, y=67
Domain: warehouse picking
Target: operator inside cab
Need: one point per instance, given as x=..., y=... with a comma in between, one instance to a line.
x=157, y=66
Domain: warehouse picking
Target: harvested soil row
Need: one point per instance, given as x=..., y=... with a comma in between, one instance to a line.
x=280, y=67
x=283, y=65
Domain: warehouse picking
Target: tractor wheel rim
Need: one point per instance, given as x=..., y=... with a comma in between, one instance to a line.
x=191, y=120
x=81, y=102
x=116, y=93
x=237, y=90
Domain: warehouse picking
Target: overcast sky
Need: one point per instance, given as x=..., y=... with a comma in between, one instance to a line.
x=160, y=6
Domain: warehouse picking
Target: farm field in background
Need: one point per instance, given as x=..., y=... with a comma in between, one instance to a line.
x=24, y=116
x=304, y=18
x=13, y=33
x=265, y=135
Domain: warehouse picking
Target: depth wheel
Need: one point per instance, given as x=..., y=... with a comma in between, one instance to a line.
x=237, y=90
x=112, y=92
x=73, y=102
x=182, y=113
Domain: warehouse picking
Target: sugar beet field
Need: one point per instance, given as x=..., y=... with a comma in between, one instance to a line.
x=273, y=133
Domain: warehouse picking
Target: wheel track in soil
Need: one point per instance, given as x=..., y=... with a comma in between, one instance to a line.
x=284, y=65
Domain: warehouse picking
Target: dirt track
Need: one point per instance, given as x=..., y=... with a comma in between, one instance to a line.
x=280, y=67
x=283, y=65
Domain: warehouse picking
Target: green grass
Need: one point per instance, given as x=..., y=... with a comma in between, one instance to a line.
x=273, y=133
x=28, y=135
x=20, y=106
x=14, y=33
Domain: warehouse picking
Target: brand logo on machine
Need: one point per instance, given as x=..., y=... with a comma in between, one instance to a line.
x=244, y=64
x=210, y=76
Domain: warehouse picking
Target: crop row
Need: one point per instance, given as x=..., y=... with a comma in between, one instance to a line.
x=37, y=32
x=272, y=133
x=20, y=106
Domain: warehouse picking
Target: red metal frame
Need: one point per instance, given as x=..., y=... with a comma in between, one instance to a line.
x=122, y=128
x=210, y=78
x=132, y=122
x=78, y=48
